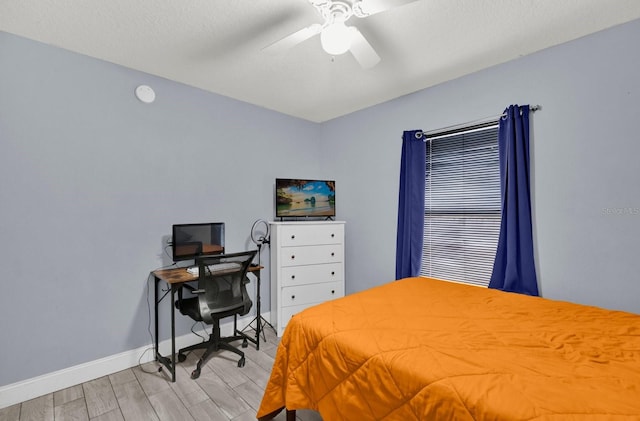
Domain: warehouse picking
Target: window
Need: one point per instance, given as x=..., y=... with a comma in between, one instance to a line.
x=462, y=204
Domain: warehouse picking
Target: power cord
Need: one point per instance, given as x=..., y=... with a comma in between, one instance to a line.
x=204, y=328
x=197, y=334
x=166, y=252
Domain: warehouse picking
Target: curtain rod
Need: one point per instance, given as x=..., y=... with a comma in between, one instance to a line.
x=472, y=125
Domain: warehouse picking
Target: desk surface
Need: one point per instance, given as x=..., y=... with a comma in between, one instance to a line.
x=180, y=275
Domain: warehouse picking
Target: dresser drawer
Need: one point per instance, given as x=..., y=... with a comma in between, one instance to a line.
x=312, y=293
x=312, y=274
x=288, y=312
x=302, y=235
x=311, y=255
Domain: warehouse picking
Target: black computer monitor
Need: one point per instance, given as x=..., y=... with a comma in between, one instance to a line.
x=192, y=240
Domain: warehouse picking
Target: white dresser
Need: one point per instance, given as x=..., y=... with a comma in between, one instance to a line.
x=307, y=267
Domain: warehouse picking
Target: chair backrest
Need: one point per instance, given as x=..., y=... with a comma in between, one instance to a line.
x=222, y=280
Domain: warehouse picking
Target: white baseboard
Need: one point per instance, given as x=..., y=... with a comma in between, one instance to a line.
x=51, y=382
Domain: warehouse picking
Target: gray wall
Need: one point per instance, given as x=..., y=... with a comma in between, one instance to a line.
x=91, y=181
x=585, y=149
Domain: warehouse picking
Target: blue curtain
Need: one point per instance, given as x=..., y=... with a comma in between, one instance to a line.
x=514, y=268
x=410, y=205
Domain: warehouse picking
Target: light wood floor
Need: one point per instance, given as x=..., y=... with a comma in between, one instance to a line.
x=223, y=392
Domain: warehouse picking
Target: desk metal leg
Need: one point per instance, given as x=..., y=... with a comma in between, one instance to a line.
x=155, y=300
x=170, y=364
x=173, y=334
x=258, y=313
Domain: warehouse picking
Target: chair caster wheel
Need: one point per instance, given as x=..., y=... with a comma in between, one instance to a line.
x=181, y=358
x=195, y=374
x=245, y=343
x=241, y=362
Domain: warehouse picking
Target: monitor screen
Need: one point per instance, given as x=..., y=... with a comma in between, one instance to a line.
x=192, y=240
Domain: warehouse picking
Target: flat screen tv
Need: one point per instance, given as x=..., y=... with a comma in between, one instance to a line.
x=192, y=240
x=305, y=198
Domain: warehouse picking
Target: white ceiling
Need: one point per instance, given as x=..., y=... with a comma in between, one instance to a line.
x=217, y=45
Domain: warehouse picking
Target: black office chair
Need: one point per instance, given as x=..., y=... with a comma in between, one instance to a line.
x=221, y=292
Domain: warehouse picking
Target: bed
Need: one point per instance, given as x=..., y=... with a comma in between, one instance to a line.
x=424, y=349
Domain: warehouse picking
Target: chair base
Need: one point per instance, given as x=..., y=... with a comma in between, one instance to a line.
x=214, y=344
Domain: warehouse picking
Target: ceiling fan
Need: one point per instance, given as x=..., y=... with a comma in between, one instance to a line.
x=335, y=36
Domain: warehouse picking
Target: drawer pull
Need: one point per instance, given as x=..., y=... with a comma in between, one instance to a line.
x=293, y=256
x=332, y=273
x=333, y=291
x=333, y=235
x=293, y=276
x=332, y=254
x=293, y=237
x=293, y=297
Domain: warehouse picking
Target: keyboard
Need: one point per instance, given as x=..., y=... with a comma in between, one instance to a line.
x=219, y=267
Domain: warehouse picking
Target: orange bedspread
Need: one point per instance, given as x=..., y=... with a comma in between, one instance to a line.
x=422, y=349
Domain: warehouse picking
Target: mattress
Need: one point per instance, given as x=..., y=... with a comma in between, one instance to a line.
x=424, y=349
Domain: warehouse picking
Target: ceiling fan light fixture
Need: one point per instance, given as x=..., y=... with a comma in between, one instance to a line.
x=336, y=38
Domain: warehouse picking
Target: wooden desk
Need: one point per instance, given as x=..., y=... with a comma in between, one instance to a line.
x=175, y=277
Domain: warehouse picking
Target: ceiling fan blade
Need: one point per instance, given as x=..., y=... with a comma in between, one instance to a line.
x=371, y=7
x=294, y=39
x=363, y=51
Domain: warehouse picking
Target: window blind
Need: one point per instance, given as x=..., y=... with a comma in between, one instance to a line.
x=462, y=205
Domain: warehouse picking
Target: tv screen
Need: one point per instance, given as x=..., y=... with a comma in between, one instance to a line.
x=192, y=240
x=305, y=198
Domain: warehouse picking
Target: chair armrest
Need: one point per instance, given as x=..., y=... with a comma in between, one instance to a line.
x=192, y=289
x=188, y=287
